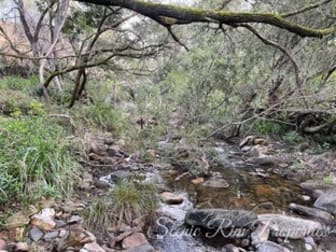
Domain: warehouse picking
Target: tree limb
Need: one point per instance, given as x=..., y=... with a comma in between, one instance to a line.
x=187, y=15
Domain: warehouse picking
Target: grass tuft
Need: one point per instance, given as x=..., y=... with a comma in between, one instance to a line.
x=128, y=201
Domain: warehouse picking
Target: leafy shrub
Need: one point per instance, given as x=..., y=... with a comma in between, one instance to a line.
x=16, y=103
x=265, y=127
x=34, y=160
x=293, y=137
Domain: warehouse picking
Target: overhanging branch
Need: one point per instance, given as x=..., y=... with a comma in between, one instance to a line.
x=187, y=15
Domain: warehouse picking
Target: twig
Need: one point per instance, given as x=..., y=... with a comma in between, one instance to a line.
x=306, y=8
x=176, y=38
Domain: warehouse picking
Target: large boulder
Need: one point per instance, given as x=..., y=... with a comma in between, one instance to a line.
x=327, y=201
x=311, y=212
x=289, y=227
x=220, y=218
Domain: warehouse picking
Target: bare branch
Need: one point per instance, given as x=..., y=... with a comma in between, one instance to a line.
x=176, y=38
x=306, y=8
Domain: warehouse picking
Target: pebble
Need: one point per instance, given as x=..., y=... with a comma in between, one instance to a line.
x=171, y=198
x=3, y=244
x=35, y=234
x=51, y=235
x=134, y=240
x=92, y=247
x=22, y=247
x=197, y=181
x=75, y=219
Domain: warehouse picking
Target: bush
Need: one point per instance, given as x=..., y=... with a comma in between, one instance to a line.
x=34, y=160
x=265, y=127
x=292, y=137
x=16, y=103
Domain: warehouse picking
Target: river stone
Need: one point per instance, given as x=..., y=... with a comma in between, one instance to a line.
x=265, y=160
x=327, y=201
x=290, y=227
x=18, y=219
x=260, y=234
x=134, y=240
x=45, y=219
x=171, y=198
x=215, y=182
x=312, y=185
x=35, y=234
x=22, y=247
x=269, y=246
x=311, y=212
x=142, y=248
x=75, y=219
x=230, y=248
x=92, y=247
x=51, y=235
x=220, y=218
x=3, y=245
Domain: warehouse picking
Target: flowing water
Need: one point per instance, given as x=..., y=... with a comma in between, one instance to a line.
x=269, y=193
x=245, y=191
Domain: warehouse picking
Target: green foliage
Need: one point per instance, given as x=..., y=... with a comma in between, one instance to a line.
x=18, y=83
x=265, y=127
x=102, y=115
x=329, y=179
x=16, y=103
x=34, y=160
x=292, y=137
x=127, y=201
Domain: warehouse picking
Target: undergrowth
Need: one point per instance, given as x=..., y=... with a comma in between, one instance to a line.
x=35, y=160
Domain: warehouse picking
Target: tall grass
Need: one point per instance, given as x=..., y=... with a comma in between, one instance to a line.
x=128, y=201
x=35, y=160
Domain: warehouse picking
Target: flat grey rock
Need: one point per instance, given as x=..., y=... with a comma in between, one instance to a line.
x=311, y=212
x=290, y=227
x=220, y=218
x=327, y=201
x=35, y=234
